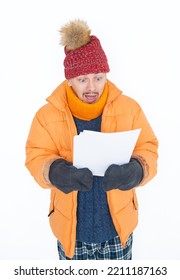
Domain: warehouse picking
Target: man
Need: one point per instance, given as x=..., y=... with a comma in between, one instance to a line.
x=92, y=217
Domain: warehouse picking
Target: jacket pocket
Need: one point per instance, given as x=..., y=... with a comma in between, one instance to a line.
x=51, y=208
x=50, y=212
x=61, y=202
x=135, y=201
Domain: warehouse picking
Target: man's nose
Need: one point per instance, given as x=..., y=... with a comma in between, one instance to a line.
x=91, y=85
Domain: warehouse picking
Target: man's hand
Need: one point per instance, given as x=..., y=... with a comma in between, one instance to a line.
x=123, y=177
x=67, y=178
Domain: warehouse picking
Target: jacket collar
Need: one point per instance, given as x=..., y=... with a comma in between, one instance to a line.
x=59, y=100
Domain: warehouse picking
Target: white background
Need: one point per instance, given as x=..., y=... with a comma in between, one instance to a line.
x=141, y=41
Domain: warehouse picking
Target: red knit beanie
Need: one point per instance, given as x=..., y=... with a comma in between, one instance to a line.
x=84, y=54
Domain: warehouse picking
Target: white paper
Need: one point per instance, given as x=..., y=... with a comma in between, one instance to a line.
x=98, y=150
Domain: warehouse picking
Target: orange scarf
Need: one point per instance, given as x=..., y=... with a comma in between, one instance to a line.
x=83, y=110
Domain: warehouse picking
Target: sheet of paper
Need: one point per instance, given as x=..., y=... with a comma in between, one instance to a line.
x=98, y=150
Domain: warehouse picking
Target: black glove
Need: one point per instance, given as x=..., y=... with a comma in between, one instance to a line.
x=68, y=178
x=123, y=177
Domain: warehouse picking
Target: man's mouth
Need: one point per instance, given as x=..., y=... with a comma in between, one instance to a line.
x=90, y=97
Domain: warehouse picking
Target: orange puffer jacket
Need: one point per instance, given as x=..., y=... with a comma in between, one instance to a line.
x=51, y=137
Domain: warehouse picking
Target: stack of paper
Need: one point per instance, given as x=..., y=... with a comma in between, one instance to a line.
x=98, y=150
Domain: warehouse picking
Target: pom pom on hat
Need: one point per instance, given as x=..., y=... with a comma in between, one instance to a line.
x=75, y=34
x=84, y=54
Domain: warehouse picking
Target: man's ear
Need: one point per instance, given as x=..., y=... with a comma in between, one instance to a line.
x=69, y=83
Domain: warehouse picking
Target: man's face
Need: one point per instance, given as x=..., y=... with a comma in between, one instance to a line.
x=88, y=87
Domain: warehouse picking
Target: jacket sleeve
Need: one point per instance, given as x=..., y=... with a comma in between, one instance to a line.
x=146, y=149
x=41, y=151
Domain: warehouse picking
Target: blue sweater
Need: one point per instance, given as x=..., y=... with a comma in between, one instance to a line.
x=94, y=223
